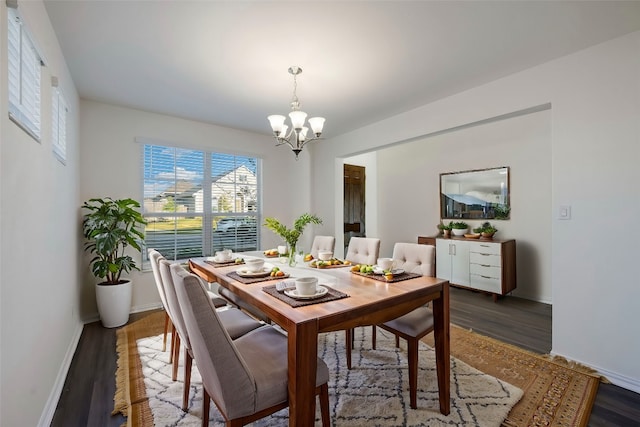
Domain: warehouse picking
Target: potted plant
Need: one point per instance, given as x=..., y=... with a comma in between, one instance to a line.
x=291, y=235
x=501, y=211
x=110, y=227
x=486, y=230
x=445, y=229
x=459, y=228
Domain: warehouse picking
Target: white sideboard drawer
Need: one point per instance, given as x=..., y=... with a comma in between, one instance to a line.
x=484, y=283
x=486, y=271
x=485, y=248
x=484, y=259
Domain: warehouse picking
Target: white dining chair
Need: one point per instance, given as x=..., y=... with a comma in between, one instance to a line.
x=322, y=243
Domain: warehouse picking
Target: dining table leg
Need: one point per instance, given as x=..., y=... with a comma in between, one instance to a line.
x=441, y=338
x=302, y=365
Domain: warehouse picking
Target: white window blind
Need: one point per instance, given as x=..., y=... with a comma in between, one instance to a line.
x=59, y=112
x=195, y=203
x=24, y=76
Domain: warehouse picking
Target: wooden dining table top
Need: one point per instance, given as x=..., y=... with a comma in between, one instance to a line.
x=369, y=302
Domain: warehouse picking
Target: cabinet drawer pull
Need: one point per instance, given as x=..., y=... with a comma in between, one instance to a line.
x=485, y=265
x=486, y=277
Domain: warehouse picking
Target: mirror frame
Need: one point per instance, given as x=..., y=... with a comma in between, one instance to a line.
x=474, y=181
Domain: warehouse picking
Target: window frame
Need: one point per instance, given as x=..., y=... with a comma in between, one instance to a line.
x=210, y=239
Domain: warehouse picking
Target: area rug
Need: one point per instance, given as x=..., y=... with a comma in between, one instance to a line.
x=555, y=393
x=374, y=392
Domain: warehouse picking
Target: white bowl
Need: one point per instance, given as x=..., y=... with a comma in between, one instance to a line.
x=254, y=264
x=306, y=285
x=459, y=232
x=325, y=255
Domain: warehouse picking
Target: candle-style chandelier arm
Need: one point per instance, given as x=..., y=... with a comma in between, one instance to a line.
x=297, y=138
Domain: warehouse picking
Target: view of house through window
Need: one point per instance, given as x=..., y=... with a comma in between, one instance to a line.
x=199, y=202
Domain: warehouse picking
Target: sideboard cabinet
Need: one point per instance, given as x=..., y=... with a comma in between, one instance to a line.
x=484, y=265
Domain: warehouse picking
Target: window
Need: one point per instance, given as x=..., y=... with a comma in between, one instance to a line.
x=24, y=76
x=195, y=202
x=59, y=125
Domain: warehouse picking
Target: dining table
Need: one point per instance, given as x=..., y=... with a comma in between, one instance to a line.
x=368, y=301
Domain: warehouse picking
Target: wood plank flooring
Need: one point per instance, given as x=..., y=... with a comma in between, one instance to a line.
x=87, y=397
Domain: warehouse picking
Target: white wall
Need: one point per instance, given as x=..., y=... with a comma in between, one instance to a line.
x=39, y=227
x=111, y=166
x=595, y=147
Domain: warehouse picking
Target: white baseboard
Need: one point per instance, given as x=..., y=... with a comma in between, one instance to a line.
x=628, y=383
x=52, y=402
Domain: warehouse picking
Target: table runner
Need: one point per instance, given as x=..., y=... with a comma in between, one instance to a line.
x=396, y=277
x=333, y=294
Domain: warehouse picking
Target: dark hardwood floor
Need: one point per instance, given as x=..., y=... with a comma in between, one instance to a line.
x=87, y=397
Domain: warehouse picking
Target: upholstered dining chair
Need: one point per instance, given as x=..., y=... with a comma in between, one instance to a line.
x=363, y=250
x=246, y=378
x=233, y=320
x=413, y=258
x=322, y=243
x=154, y=256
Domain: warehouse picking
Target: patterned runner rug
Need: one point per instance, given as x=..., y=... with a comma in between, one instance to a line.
x=375, y=391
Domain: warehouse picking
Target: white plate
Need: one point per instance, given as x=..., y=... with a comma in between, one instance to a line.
x=378, y=270
x=320, y=291
x=243, y=272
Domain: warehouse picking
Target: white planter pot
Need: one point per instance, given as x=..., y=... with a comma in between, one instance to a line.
x=114, y=303
x=459, y=232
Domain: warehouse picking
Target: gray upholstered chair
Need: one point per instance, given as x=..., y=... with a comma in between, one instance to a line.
x=413, y=258
x=246, y=378
x=154, y=256
x=363, y=250
x=233, y=320
x=240, y=303
x=322, y=243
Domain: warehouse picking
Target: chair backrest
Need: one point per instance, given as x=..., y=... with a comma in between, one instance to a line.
x=363, y=250
x=415, y=258
x=175, y=311
x=224, y=373
x=322, y=243
x=154, y=258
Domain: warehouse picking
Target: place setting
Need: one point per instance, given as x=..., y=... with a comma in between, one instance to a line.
x=256, y=270
x=305, y=291
x=384, y=271
x=224, y=258
x=327, y=260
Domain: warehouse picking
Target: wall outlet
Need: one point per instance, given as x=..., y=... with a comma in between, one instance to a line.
x=564, y=212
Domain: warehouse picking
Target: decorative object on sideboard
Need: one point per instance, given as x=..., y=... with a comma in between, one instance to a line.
x=297, y=137
x=486, y=230
x=445, y=229
x=502, y=211
x=459, y=228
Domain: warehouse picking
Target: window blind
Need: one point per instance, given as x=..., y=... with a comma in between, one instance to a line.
x=24, y=76
x=59, y=112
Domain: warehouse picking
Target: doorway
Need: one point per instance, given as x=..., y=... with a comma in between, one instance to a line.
x=354, y=203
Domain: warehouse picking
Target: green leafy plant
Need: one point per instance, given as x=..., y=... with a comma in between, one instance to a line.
x=486, y=228
x=291, y=235
x=459, y=225
x=443, y=226
x=501, y=211
x=110, y=227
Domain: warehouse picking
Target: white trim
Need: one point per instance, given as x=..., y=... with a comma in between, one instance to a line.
x=56, y=391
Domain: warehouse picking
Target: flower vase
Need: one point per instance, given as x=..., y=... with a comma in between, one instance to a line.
x=292, y=255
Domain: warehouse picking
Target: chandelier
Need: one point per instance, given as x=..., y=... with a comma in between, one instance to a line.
x=297, y=137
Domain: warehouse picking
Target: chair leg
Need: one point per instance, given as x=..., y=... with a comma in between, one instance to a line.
x=412, y=354
x=173, y=342
x=347, y=344
x=373, y=336
x=176, y=358
x=166, y=331
x=324, y=405
x=206, y=402
x=188, y=361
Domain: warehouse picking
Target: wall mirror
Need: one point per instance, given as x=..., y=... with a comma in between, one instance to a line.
x=475, y=194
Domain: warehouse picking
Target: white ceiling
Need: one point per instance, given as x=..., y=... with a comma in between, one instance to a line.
x=225, y=62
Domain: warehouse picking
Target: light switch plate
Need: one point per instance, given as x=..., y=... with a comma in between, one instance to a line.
x=564, y=212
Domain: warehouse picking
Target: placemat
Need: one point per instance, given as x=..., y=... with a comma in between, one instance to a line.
x=396, y=277
x=250, y=280
x=333, y=294
x=224, y=263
